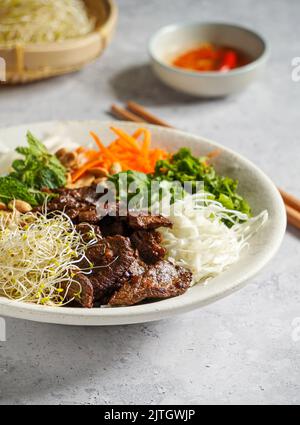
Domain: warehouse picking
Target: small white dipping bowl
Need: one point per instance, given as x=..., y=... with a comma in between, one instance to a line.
x=172, y=40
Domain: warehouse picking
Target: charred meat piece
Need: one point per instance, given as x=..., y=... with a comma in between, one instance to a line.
x=83, y=292
x=84, y=205
x=111, y=226
x=126, y=264
x=86, y=195
x=148, y=245
x=114, y=262
x=89, y=231
x=162, y=280
x=100, y=254
x=61, y=203
x=78, y=204
x=113, y=258
x=143, y=221
x=73, y=213
x=88, y=215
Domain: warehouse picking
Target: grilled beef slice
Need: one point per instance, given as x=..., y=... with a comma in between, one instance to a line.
x=78, y=204
x=83, y=205
x=110, y=278
x=120, y=277
x=127, y=259
x=114, y=261
x=86, y=194
x=112, y=258
x=148, y=245
x=162, y=280
x=89, y=231
x=143, y=221
x=83, y=293
x=111, y=226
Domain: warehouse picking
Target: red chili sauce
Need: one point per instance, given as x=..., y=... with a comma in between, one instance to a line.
x=211, y=57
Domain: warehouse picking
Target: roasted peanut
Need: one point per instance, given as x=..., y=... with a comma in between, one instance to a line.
x=100, y=180
x=69, y=160
x=61, y=152
x=86, y=180
x=69, y=179
x=115, y=168
x=99, y=172
x=21, y=206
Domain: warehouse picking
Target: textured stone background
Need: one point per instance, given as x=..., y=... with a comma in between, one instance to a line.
x=239, y=350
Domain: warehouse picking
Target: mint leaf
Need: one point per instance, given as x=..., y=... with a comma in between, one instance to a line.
x=39, y=168
x=11, y=188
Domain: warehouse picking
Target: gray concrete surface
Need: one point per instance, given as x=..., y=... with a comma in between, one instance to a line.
x=239, y=350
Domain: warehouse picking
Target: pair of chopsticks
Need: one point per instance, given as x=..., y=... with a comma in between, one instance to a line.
x=136, y=113
x=292, y=206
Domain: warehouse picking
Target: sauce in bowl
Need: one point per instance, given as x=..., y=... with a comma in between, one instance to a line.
x=211, y=57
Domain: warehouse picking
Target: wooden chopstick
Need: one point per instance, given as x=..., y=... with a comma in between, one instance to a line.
x=136, y=113
x=293, y=216
x=292, y=206
x=290, y=200
x=124, y=114
x=147, y=116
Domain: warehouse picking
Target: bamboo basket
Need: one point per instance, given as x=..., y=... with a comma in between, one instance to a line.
x=31, y=62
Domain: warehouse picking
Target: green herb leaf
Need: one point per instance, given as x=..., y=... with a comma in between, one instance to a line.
x=11, y=188
x=39, y=169
x=183, y=167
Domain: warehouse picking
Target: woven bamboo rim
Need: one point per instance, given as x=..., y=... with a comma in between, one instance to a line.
x=30, y=62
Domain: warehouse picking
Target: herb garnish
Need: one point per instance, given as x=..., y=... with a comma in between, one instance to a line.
x=183, y=167
x=38, y=170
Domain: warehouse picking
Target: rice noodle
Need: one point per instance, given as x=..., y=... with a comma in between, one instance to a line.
x=39, y=21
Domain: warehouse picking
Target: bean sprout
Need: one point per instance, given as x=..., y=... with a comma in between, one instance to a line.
x=40, y=257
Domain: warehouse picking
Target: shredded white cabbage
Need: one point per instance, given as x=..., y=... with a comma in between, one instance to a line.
x=200, y=241
x=38, y=21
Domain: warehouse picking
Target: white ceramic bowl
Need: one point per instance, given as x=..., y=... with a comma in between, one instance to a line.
x=170, y=41
x=254, y=185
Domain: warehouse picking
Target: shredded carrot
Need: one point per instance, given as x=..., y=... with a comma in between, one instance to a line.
x=102, y=148
x=82, y=170
x=146, y=142
x=132, y=152
x=126, y=137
